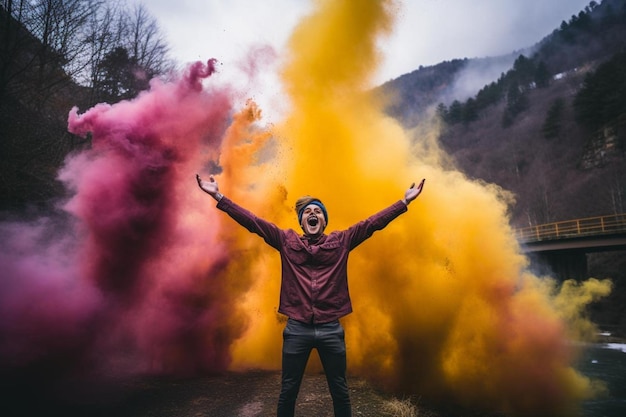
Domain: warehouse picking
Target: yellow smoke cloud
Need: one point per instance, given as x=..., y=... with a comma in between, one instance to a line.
x=444, y=306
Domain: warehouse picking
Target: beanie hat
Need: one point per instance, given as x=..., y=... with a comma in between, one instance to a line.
x=307, y=200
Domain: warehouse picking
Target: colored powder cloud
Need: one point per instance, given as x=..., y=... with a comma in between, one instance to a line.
x=128, y=283
x=147, y=276
x=444, y=305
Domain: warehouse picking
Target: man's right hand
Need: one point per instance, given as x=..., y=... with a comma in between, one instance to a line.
x=210, y=187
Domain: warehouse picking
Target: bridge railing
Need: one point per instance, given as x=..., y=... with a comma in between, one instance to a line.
x=573, y=228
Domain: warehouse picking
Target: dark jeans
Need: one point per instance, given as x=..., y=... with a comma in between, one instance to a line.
x=298, y=341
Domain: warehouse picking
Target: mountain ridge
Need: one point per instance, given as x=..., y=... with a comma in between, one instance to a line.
x=499, y=143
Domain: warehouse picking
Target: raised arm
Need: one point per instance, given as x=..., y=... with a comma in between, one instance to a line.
x=364, y=229
x=413, y=191
x=267, y=230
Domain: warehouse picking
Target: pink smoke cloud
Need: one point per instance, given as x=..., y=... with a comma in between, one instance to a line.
x=128, y=284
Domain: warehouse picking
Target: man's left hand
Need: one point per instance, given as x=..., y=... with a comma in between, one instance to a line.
x=413, y=191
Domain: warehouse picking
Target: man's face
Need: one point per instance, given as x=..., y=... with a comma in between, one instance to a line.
x=313, y=222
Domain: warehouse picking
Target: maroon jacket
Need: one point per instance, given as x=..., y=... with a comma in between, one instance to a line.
x=314, y=287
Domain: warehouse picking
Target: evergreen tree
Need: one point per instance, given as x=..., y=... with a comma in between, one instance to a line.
x=470, y=111
x=551, y=127
x=602, y=99
x=517, y=102
x=117, y=72
x=455, y=113
x=542, y=75
x=442, y=112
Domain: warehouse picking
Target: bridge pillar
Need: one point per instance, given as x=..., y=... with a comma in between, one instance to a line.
x=561, y=264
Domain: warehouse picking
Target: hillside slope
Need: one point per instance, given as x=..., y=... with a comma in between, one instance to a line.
x=557, y=168
x=574, y=173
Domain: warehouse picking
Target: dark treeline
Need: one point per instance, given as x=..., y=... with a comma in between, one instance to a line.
x=108, y=49
x=56, y=54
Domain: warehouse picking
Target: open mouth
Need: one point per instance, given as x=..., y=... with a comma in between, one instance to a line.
x=312, y=221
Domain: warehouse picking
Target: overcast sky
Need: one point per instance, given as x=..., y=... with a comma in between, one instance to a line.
x=427, y=31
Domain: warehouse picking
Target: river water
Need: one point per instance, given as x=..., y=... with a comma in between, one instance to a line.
x=606, y=362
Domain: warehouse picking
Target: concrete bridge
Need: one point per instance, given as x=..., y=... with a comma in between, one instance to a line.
x=562, y=246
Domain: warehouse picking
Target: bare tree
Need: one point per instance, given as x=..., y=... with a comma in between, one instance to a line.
x=47, y=44
x=55, y=54
x=127, y=50
x=42, y=46
x=145, y=42
x=103, y=32
x=17, y=44
x=616, y=190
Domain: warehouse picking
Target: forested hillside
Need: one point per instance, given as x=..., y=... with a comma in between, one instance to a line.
x=548, y=126
x=551, y=128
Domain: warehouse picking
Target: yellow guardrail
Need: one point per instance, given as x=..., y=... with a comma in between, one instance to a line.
x=614, y=223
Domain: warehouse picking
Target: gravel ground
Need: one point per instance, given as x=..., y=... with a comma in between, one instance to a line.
x=250, y=394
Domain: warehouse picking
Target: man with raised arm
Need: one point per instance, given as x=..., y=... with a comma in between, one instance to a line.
x=314, y=287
